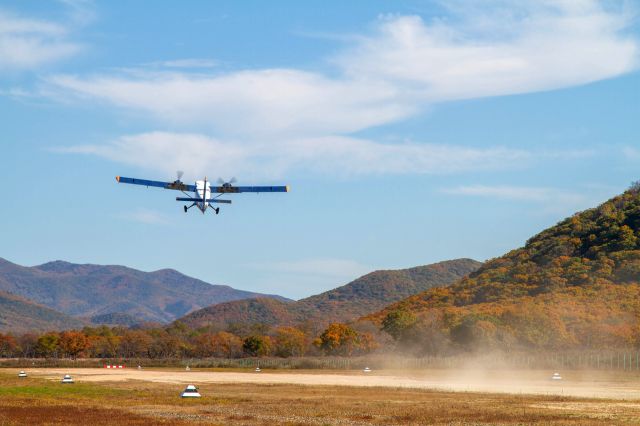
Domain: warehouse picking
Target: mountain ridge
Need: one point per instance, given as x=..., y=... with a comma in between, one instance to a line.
x=352, y=300
x=90, y=290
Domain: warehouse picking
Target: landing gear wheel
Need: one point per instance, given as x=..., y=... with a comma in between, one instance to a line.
x=217, y=210
x=185, y=208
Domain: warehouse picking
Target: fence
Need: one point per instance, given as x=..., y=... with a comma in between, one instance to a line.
x=614, y=360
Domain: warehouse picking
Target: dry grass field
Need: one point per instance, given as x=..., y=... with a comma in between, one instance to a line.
x=152, y=397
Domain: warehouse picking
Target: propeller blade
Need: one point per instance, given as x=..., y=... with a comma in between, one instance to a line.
x=227, y=182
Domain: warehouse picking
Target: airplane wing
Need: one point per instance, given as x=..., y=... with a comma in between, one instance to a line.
x=179, y=186
x=236, y=189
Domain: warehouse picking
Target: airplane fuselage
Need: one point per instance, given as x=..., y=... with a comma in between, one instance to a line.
x=203, y=191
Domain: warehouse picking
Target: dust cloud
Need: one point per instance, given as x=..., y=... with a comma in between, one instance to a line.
x=574, y=383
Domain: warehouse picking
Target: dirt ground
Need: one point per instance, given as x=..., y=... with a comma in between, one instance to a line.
x=583, y=384
x=316, y=397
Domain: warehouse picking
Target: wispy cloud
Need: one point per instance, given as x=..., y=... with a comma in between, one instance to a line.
x=192, y=63
x=304, y=277
x=270, y=103
x=510, y=48
x=524, y=193
x=549, y=200
x=27, y=43
x=338, y=155
x=389, y=75
x=631, y=152
x=81, y=12
x=323, y=267
x=284, y=119
x=146, y=216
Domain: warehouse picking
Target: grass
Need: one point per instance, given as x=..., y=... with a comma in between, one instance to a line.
x=38, y=401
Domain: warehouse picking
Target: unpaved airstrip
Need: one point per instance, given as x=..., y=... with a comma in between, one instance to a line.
x=583, y=384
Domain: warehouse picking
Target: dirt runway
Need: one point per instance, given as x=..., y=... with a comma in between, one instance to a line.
x=574, y=383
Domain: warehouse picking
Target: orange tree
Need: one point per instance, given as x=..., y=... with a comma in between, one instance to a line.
x=73, y=343
x=8, y=345
x=338, y=339
x=289, y=341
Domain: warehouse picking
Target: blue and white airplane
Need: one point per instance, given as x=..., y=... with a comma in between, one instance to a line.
x=202, y=190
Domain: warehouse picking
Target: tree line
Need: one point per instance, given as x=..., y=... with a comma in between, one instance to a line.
x=178, y=341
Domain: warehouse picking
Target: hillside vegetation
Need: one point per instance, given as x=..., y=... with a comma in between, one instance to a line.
x=573, y=285
x=360, y=297
x=19, y=315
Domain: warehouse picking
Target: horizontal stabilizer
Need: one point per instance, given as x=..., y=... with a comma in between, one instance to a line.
x=200, y=200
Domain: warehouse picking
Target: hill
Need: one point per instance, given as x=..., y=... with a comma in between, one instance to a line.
x=97, y=290
x=115, y=318
x=574, y=285
x=18, y=315
x=361, y=296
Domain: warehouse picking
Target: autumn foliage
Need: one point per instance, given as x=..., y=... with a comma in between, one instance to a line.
x=178, y=341
x=575, y=285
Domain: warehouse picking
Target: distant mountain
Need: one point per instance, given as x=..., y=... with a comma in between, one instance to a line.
x=574, y=285
x=115, y=318
x=96, y=290
x=18, y=315
x=361, y=296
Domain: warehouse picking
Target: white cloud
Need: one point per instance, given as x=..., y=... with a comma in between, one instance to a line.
x=551, y=200
x=305, y=277
x=534, y=194
x=276, y=120
x=321, y=267
x=200, y=155
x=30, y=43
x=390, y=75
x=526, y=47
x=631, y=153
x=81, y=12
x=249, y=103
x=146, y=216
x=186, y=63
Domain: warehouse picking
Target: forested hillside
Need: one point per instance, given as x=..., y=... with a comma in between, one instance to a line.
x=360, y=297
x=573, y=285
x=19, y=315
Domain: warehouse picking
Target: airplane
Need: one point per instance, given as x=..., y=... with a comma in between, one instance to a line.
x=202, y=190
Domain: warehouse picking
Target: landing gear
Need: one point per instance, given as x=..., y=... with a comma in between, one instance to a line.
x=217, y=210
x=185, y=208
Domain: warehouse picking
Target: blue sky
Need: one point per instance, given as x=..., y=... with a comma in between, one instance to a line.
x=410, y=131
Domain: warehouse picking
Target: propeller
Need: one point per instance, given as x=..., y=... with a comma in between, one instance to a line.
x=179, y=173
x=227, y=183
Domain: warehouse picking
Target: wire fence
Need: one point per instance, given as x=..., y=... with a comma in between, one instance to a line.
x=613, y=360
